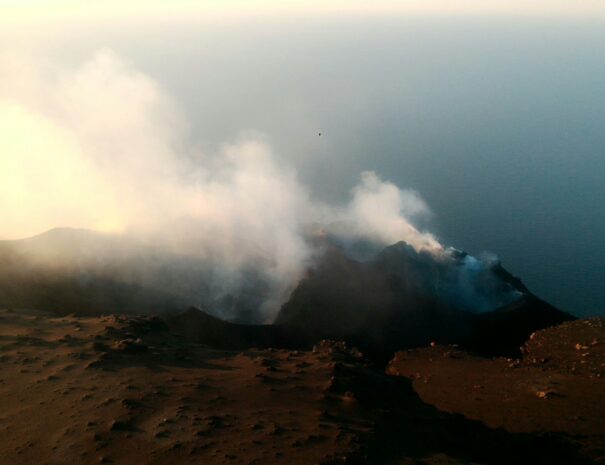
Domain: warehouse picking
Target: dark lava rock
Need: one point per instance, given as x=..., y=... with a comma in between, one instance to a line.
x=388, y=304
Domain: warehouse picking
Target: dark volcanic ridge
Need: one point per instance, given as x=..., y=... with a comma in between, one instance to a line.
x=384, y=305
x=397, y=298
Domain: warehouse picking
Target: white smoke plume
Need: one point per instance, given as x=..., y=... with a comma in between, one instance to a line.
x=102, y=146
x=381, y=211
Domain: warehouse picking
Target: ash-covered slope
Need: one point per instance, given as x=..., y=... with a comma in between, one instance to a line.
x=125, y=390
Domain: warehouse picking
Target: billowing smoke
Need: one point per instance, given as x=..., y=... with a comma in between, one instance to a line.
x=380, y=210
x=102, y=146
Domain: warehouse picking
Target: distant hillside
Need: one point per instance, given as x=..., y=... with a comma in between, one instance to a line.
x=81, y=271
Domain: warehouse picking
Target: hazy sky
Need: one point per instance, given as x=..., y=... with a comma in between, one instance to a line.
x=45, y=10
x=493, y=111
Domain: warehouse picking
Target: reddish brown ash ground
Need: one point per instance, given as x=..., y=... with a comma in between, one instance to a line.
x=558, y=385
x=124, y=390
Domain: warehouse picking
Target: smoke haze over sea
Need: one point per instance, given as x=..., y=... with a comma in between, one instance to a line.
x=494, y=122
